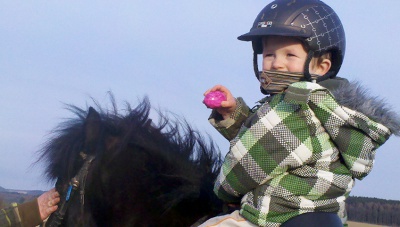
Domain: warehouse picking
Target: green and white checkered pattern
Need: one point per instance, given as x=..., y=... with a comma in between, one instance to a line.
x=299, y=152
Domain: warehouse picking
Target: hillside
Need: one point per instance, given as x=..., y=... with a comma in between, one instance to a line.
x=8, y=196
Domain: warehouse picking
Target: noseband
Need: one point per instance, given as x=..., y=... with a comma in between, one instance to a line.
x=77, y=182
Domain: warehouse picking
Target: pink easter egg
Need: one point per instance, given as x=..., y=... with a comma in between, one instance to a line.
x=213, y=99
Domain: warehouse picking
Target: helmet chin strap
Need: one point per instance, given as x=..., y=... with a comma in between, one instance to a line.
x=256, y=72
x=307, y=74
x=255, y=65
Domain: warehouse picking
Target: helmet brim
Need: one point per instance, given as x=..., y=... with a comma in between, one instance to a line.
x=278, y=30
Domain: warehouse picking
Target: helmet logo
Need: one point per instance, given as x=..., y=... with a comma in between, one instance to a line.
x=274, y=6
x=264, y=24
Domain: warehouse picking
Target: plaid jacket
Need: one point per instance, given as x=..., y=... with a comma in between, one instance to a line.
x=299, y=152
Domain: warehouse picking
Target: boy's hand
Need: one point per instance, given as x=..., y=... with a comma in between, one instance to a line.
x=228, y=106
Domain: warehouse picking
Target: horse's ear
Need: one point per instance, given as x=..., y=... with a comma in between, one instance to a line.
x=92, y=126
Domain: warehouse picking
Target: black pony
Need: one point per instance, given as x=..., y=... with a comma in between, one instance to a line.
x=125, y=170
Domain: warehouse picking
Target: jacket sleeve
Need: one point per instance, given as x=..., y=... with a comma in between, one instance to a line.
x=29, y=213
x=230, y=127
x=26, y=214
x=10, y=216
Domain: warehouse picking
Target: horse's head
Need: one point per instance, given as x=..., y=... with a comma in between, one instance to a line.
x=114, y=169
x=70, y=156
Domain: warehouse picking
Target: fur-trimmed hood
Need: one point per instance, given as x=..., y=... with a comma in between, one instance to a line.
x=354, y=96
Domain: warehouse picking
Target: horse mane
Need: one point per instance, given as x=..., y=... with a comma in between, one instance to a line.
x=152, y=164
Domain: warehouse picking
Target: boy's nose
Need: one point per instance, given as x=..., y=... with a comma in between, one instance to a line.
x=277, y=63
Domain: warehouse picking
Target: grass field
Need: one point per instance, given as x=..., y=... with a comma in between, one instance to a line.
x=359, y=224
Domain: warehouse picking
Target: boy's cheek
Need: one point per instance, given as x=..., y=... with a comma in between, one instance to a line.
x=266, y=65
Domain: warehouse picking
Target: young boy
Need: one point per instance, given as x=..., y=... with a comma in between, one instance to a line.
x=293, y=159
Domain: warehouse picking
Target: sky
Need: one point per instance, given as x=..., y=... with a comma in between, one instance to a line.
x=54, y=53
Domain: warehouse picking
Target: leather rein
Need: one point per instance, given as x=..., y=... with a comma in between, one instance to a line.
x=76, y=183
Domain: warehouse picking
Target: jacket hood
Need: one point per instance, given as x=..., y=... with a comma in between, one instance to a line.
x=354, y=96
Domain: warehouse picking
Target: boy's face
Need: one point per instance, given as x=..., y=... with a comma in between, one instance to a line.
x=282, y=53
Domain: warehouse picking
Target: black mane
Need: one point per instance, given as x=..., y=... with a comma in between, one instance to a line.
x=144, y=174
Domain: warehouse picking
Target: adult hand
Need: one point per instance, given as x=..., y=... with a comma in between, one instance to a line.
x=48, y=203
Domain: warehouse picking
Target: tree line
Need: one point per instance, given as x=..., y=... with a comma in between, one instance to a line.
x=373, y=211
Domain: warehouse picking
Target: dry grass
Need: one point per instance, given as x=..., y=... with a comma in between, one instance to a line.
x=359, y=224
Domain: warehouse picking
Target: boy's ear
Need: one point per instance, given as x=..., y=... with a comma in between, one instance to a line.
x=323, y=67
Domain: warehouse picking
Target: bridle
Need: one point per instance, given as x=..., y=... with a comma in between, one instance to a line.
x=76, y=183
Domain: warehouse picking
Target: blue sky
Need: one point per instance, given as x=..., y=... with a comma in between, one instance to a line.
x=56, y=52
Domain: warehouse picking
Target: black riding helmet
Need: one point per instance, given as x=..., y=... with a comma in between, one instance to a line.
x=311, y=20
